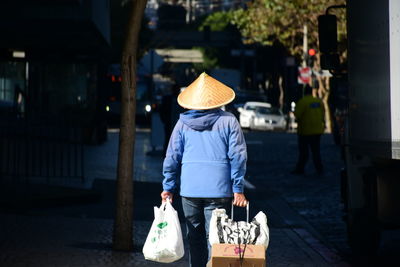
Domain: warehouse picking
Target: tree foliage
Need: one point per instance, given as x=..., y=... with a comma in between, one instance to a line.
x=263, y=21
x=218, y=21
x=217, y=56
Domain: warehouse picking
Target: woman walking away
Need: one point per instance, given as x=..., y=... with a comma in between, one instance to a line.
x=208, y=149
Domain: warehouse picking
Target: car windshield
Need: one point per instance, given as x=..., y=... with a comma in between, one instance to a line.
x=251, y=107
x=267, y=111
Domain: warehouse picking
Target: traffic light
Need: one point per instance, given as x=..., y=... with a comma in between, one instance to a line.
x=311, y=57
x=328, y=44
x=327, y=34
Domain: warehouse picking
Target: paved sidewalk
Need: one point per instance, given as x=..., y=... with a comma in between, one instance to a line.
x=79, y=233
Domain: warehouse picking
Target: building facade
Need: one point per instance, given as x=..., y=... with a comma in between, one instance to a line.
x=53, y=63
x=52, y=57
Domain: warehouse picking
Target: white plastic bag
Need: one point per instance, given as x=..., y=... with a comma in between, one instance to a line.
x=227, y=231
x=164, y=242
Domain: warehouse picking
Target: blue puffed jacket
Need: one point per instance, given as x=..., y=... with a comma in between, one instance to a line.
x=209, y=150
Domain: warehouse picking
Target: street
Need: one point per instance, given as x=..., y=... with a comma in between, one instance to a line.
x=304, y=212
x=315, y=197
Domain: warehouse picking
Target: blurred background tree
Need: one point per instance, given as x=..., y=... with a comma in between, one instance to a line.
x=215, y=57
x=275, y=21
x=264, y=19
x=217, y=21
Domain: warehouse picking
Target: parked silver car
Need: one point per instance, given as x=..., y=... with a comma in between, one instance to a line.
x=261, y=116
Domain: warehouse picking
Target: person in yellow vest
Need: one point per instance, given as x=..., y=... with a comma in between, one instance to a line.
x=310, y=114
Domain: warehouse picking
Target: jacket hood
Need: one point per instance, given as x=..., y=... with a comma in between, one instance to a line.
x=200, y=120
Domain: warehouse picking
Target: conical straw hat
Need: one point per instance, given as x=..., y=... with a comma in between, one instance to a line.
x=205, y=93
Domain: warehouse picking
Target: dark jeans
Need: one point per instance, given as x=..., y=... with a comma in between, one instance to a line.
x=312, y=142
x=198, y=213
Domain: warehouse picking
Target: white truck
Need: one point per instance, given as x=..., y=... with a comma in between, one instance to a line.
x=371, y=180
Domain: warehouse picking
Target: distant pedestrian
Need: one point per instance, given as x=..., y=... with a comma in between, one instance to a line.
x=207, y=147
x=310, y=114
x=19, y=101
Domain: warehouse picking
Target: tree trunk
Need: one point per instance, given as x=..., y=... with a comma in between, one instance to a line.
x=123, y=232
x=323, y=93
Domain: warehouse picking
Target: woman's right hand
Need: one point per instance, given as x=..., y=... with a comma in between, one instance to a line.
x=239, y=200
x=165, y=195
